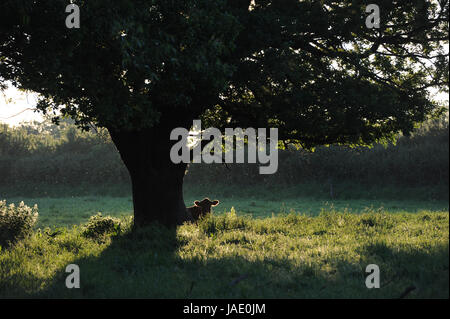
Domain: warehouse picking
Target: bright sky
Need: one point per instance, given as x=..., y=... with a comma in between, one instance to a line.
x=17, y=106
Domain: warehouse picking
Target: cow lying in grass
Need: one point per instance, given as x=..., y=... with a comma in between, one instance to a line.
x=201, y=208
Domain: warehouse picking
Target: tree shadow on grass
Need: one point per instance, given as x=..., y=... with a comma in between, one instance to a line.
x=147, y=264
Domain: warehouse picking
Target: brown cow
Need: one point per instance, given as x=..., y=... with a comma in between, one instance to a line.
x=202, y=208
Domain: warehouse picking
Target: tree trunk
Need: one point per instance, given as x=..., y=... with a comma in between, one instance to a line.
x=157, y=183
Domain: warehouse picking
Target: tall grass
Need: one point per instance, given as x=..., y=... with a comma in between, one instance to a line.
x=36, y=154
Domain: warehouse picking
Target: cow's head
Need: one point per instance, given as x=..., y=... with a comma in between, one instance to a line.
x=206, y=205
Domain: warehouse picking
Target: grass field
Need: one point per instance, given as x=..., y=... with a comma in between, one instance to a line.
x=227, y=256
x=58, y=209
x=68, y=211
x=265, y=244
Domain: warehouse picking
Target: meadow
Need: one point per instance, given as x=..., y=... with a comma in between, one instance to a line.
x=230, y=256
x=66, y=211
x=308, y=232
x=251, y=247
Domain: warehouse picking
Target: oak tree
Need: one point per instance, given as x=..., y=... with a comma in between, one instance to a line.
x=140, y=68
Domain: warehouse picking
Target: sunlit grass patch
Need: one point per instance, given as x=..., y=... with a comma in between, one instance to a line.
x=232, y=256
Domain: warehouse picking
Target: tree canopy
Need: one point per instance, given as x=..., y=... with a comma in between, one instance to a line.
x=313, y=69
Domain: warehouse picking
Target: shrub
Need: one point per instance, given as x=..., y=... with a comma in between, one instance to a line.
x=16, y=222
x=99, y=226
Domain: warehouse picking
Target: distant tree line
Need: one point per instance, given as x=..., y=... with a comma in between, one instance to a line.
x=44, y=153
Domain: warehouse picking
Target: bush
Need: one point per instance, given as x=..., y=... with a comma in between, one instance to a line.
x=16, y=222
x=98, y=227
